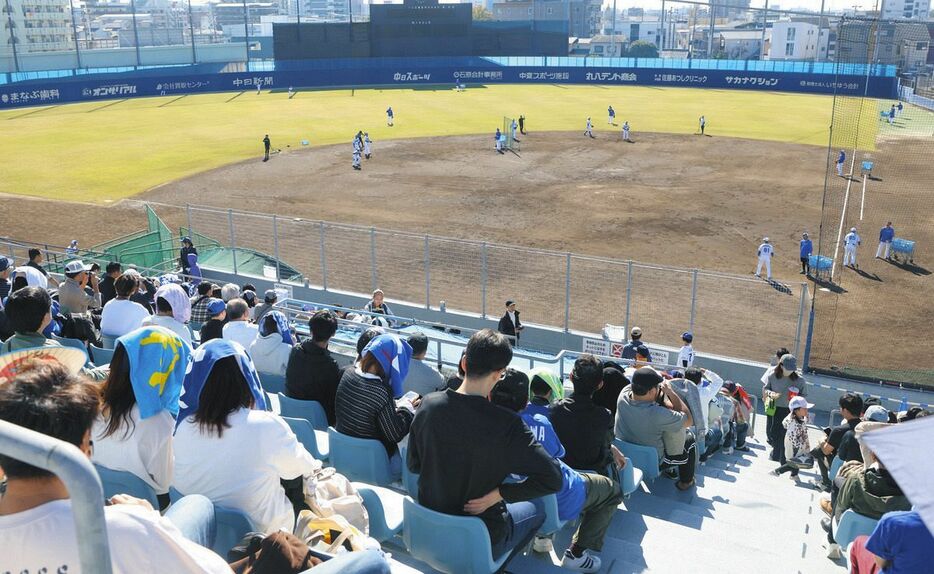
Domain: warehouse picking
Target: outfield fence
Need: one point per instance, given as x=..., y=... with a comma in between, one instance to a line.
x=729, y=315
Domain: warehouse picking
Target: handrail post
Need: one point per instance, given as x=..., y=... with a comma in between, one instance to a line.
x=233, y=242
x=427, y=274
x=324, y=259
x=567, y=293
x=275, y=246
x=693, y=299
x=801, y=309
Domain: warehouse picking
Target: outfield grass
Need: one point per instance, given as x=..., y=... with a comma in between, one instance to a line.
x=105, y=151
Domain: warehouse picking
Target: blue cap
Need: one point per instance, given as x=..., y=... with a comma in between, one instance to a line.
x=215, y=306
x=687, y=336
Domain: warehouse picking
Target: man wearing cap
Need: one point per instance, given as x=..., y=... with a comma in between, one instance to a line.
x=850, y=243
x=807, y=248
x=187, y=248
x=509, y=323
x=686, y=354
x=269, y=299
x=765, y=253
x=5, y=265
x=886, y=235
x=71, y=294
x=635, y=349
x=213, y=328
x=647, y=409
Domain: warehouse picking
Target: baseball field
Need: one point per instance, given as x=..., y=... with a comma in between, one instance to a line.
x=670, y=197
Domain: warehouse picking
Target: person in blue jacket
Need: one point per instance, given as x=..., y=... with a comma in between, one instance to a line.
x=807, y=248
x=886, y=235
x=593, y=497
x=841, y=160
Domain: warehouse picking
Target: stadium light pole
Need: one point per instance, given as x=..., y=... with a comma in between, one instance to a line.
x=9, y=11
x=246, y=32
x=191, y=30
x=74, y=30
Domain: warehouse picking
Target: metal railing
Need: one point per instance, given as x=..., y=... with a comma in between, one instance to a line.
x=730, y=315
x=84, y=487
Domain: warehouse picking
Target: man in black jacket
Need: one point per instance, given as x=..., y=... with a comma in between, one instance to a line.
x=106, y=286
x=464, y=447
x=312, y=373
x=509, y=324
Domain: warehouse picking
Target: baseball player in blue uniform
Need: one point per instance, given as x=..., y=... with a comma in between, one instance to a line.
x=892, y=114
x=841, y=159
x=807, y=248
x=497, y=142
x=886, y=235
x=611, y=115
x=765, y=253
x=389, y=116
x=850, y=243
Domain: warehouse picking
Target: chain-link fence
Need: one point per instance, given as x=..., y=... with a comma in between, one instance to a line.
x=729, y=315
x=879, y=170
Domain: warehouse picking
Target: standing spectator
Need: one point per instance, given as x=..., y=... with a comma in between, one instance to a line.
x=649, y=408
x=213, y=328
x=365, y=407
x=779, y=353
x=807, y=249
x=851, y=406
x=378, y=306
x=422, y=378
x=886, y=235
x=188, y=248
x=850, y=243
x=582, y=426
x=134, y=430
x=37, y=523
x=312, y=373
x=686, y=354
x=269, y=299
x=238, y=327
x=199, y=303
x=228, y=447
x=589, y=496
x=121, y=315
x=71, y=294
x=781, y=383
x=797, y=444
x=5, y=267
x=271, y=348
x=509, y=324
x=173, y=311
x=106, y=286
x=545, y=388
x=635, y=349
x=35, y=261
x=464, y=448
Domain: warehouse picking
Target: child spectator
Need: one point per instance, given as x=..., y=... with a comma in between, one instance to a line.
x=545, y=389
x=797, y=443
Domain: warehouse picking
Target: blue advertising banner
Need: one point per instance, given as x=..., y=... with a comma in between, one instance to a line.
x=103, y=87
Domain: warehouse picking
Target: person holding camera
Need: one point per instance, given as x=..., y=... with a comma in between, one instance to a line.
x=647, y=410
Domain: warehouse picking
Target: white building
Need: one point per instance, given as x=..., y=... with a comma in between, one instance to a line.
x=911, y=9
x=37, y=26
x=797, y=41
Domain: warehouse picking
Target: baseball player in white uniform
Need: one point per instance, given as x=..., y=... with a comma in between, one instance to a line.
x=366, y=145
x=765, y=253
x=626, y=131
x=589, y=130
x=357, y=148
x=850, y=243
x=514, y=127
x=686, y=354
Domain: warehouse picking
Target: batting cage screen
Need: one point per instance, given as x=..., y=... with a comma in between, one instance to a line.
x=511, y=131
x=872, y=317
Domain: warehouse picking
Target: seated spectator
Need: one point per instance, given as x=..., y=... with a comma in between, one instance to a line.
x=647, y=409
x=582, y=426
x=217, y=318
x=365, y=406
x=228, y=448
x=6, y=266
x=120, y=314
x=134, y=430
x=900, y=544
x=29, y=277
x=272, y=346
x=739, y=424
x=146, y=295
x=249, y=296
x=590, y=496
x=312, y=373
x=464, y=448
x=870, y=491
x=71, y=294
x=851, y=405
x=107, y=285
x=635, y=349
x=614, y=380
x=199, y=303
x=713, y=438
x=238, y=327
x=797, y=442
x=35, y=262
x=173, y=310
x=422, y=378
x=545, y=388
x=37, y=525
x=269, y=299
x=378, y=306
x=229, y=292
